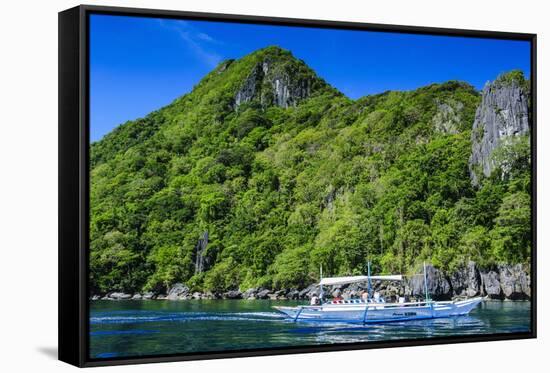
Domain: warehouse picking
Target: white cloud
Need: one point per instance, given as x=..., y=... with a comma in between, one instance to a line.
x=205, y=37
x=194, y=40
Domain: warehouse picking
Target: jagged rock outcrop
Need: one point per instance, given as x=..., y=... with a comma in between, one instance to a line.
x=178, y=291
x=491, y=284
x=250, y=293
x=263, y=294
x=499, y=282
x=200, y=248
x=438, y=285
x=466, y=281
x=148, y=295
x=448, y=117
x=224, y=65
x=502, y=114
x=117, y=296
x=279, y=79
x=232, y=294
x=250, y=87
x=307, y=292
x=515, y=282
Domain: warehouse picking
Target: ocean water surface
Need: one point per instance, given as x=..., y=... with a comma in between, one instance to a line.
x=156, y=327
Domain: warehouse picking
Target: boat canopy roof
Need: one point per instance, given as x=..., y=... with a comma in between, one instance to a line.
x=353, y=279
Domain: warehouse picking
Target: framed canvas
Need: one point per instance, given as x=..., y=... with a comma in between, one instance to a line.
x=234, y=186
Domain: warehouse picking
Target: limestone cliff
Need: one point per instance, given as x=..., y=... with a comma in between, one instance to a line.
x=502, y=115
x=280, y=80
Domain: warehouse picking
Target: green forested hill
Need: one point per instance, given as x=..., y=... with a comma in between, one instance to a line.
x=286, y=173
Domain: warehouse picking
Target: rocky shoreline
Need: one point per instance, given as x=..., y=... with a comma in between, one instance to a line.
x=510, y=282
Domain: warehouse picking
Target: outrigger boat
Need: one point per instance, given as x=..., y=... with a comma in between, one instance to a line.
x=376, y=310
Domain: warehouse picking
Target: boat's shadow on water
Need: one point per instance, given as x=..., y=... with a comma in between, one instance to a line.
x=399, y=329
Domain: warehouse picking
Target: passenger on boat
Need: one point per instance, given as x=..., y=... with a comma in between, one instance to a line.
x=337, y=295
x=314, y=299
x=364, y=296
x=378, y=298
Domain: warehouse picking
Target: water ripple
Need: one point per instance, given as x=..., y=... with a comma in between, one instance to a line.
x=185, y=316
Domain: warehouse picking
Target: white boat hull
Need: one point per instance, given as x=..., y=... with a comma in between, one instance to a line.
x=380, y=312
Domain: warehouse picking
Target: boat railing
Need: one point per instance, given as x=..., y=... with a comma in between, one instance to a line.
x=360, y=301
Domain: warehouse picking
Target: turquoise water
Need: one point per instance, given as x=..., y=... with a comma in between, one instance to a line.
x=134, y=328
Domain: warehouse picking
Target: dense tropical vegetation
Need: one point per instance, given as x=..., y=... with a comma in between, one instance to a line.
x=281, y=191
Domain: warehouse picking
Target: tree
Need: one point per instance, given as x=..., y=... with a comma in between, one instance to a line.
x=291, y=268
x=512, y=232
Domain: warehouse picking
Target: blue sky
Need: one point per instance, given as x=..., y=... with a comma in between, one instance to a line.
x=138, y=65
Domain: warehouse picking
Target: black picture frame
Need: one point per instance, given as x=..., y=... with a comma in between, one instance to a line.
x=74, y=182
